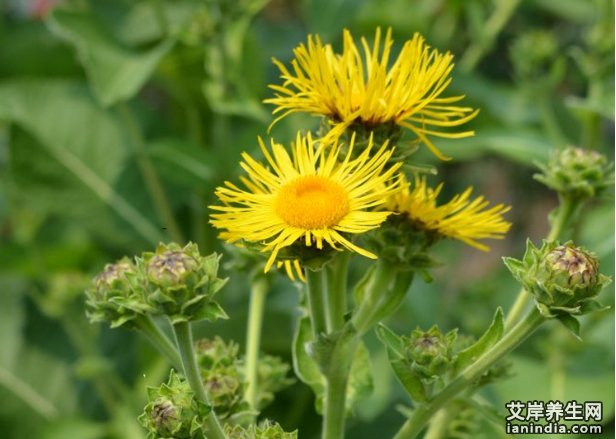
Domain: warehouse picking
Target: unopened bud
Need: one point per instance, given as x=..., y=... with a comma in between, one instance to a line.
x=576, y=172
x=562, y=278
x=181, y=284
x=115, y=295
x=430, y=352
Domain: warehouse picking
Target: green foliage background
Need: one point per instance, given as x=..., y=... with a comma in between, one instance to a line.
x=107, y=107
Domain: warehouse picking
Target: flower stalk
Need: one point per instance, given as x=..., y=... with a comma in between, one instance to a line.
x=258, y=294
x=183, y=334
x=159, y=339
x=316, y=302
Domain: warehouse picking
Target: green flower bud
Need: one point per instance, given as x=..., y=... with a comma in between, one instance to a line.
x=562, y=278
x=267, y=430
x=216, y=352
x=577, y=173
x=181, y=284
x=173, y=411
x=115, y=295
x=431, y=352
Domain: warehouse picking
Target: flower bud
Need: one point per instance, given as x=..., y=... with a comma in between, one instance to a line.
x=267, y=430
x=173, y=411
x=115, y=295
x=430, y=352
x=576, y=172
x=181, y=284
x=562, y=278
x=214, y=352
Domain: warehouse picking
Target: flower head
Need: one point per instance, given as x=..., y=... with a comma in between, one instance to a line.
x=371, y=91
x=577, y=173
x=461, y=218
x=311, y=198
x=180, y=283
x=561, y=277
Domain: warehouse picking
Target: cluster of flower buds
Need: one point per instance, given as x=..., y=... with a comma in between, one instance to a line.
x=173, y=411
x=430, y=353
x=267, y=430
x=221, y=375
x=577, y=173
x=174, y=281
x=222, y=371
x=563, y=279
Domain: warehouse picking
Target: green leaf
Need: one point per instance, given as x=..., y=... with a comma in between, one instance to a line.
x=493, y=334
x=361, y=383
x=571, y=323
x=305, y=367
x=79, y=135
x=391, y=340
x=395, y=352
x=180, y=162
x=116, y=73
x=409, y=379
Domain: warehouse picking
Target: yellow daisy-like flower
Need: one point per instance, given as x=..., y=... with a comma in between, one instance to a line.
x=461, y=218
x=313, y=196
x=350, y=88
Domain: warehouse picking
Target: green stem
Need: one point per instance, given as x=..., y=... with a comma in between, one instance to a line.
x=336, y=274
x=423, y=413
x=258, y=294
x=565, y=213
x=439, y=424
x=336, y=381
x=152, y=182
x=316, y=305
x=159, y=339
x=503, y=12
x=183, y=334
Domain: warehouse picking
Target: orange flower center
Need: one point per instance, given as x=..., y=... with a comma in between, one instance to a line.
x=312, y=202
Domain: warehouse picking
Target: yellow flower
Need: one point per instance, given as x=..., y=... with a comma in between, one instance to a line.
x=350, y=88
x=461, y=218
x=292, y=268
x=312, y=197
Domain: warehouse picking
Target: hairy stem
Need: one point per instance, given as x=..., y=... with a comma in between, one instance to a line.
x=316, y=302
x=336, y=275
x=258, y=294
x=183, y=334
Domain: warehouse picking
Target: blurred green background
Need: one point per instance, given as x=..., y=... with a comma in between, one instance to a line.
x=118, y=118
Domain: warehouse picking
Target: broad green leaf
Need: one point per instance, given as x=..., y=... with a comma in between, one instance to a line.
x=305, y=367
x=361, y=384
x=487, y=340
x=116, y=73
x=409, y=379
x=180, y=162
x=79, y=135
x=391, y=340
